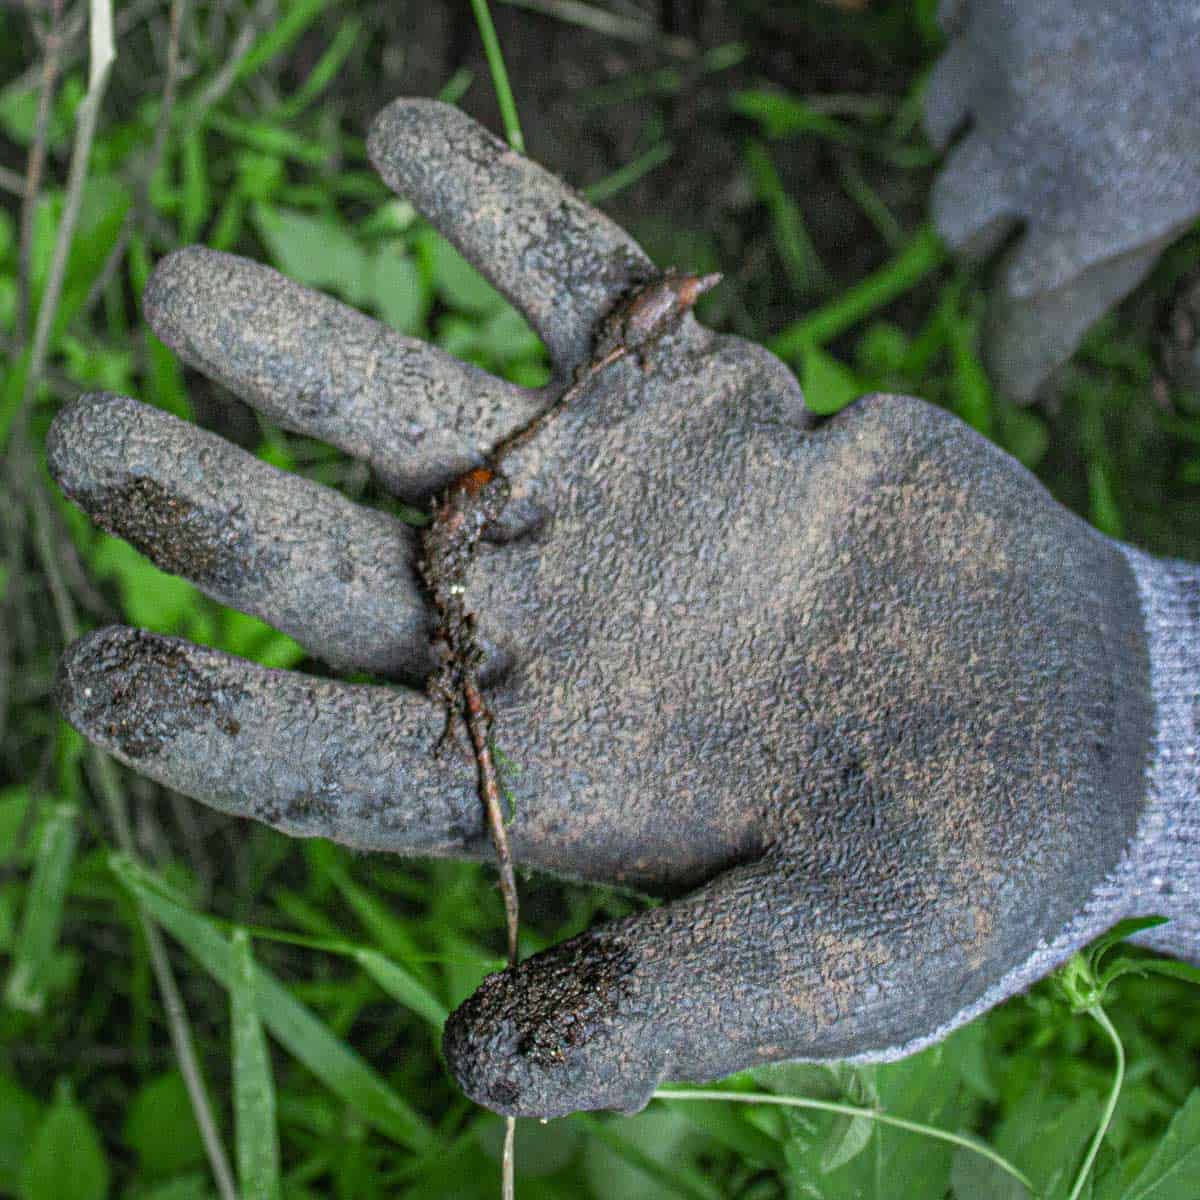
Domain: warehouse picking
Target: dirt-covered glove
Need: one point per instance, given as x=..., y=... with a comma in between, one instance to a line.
x=865, y=705
x=1084, y=123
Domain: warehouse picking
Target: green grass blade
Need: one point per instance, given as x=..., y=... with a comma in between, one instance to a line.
x=253, y=1085
x=325, y=72
x=42, y=919
x=923, y=254
x=294, y=21
x=293, y=1025
x=404, y=987
x=495, y=58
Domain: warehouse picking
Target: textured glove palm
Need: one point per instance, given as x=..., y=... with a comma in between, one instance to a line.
x=864, y=701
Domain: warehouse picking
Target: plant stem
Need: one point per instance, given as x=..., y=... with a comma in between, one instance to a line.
x=491, y=47
x=1101, y=1018
x=33, y=170
x=849, y=1110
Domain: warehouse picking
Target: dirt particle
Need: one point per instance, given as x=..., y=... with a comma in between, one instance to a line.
x=141, y=691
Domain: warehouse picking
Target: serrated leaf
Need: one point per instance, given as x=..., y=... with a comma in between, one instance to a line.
x=1122, y=930
x=1170, y=967
x=972, y=1177
x=161, y=1127
x=1173, y=1170
x=296, y=1028
x=253, y=1085
x=66, y=1160
x=849, y=1138
x=643, y=1158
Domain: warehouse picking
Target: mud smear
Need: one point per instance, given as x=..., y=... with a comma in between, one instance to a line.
x=177, y=535
x=139, y=691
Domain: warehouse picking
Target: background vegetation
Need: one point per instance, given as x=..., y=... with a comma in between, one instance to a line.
x=785, y=149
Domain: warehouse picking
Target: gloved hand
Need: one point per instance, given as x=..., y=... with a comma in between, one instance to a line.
x=1084, y=122
x=864, y=702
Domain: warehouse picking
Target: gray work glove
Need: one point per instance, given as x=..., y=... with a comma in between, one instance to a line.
x=1084, y=123
x=867, y=704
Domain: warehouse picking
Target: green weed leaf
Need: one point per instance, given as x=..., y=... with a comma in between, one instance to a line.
x=1173, y=1170
x=161, y=1128
x=19, y=1116
x=66, y=1160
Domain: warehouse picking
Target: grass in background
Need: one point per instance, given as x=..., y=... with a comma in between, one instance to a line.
x=316, y=980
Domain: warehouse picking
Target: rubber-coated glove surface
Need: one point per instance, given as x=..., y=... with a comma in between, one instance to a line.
x=864, y=702
x=1084, y=123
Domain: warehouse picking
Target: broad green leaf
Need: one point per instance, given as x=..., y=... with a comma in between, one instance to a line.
x=296, y=1028
x=1045, y=1136
x=31, y=971
x=395, y=288
x=253, y=1084
x=542, y=1148
x=1165, y=966
x=316, y=251
x=458, y=284
x=248, y=637
x=161, y=1127
x=66, y=1160
x=828, y=385
x=643, y=1157
x=974, y=1178
x=733, y=1126
x=847, y=1140
x=151, y=598
x=19, y=1116
x=1173, y=1170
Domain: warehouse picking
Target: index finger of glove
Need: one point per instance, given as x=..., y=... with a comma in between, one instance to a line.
x=560, y=261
